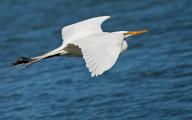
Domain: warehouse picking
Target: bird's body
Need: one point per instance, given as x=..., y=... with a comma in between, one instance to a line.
x=86, y=39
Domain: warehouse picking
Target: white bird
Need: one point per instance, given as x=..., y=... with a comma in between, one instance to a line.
x=86, y=39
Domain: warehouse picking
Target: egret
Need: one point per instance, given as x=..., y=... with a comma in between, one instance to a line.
x=86, y=39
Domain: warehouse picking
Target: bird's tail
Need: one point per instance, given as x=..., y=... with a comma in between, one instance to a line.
x=25, y=61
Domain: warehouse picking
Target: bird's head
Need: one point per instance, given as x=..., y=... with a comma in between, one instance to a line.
x=132, y=33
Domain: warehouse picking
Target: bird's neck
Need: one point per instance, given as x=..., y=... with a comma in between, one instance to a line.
x=124, y=46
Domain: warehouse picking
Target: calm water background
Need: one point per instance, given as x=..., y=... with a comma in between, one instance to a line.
x=151, y=81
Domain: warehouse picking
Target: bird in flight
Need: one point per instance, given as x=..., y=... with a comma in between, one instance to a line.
x=86, y=39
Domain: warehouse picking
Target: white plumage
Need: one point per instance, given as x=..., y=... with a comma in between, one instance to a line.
x=82, y=29
x=99, y=55
x=86, y=39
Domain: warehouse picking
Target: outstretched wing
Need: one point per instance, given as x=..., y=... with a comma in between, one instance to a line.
x=83, y=29
x=100, y=51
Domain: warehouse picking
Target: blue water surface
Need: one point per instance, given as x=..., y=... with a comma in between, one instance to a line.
x=151, y=81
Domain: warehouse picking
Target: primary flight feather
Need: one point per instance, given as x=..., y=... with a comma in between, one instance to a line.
x=86, y=39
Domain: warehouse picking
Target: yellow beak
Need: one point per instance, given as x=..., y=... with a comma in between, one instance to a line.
x=135, y=32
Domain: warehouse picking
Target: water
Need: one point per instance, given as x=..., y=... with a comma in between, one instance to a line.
x=151, y=81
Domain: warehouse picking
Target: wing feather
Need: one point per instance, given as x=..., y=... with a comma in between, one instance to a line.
x=83, y=29
x=101, y=51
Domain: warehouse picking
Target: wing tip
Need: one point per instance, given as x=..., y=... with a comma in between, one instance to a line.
x=95, y=74
x=104, y=17
x=92, y=75
x=100, y=18
x=107, y=16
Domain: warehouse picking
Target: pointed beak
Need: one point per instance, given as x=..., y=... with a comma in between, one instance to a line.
x=135, y=32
